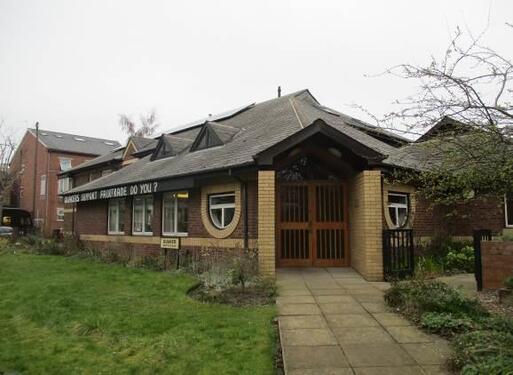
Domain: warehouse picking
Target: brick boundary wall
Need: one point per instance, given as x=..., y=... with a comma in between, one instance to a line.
x=497, y=259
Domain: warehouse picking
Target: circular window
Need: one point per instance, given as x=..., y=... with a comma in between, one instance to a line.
x=221, y=208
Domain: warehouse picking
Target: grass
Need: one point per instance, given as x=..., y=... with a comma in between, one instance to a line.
x=70, y=315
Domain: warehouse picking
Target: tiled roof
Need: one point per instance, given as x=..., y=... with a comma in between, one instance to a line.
x=116, y=155
x=258, y=128
x=73, y=143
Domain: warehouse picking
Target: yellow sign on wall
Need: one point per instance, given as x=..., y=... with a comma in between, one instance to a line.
x=170, y=243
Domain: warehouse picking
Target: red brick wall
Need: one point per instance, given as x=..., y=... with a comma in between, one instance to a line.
x=460, y=220
x=497, y=258
x=91, y=217
x=47, y=164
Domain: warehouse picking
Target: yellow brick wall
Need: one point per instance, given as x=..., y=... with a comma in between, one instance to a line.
x=266, y=223
x=366, y=224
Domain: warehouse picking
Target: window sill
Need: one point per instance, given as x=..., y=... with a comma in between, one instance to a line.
x=180, y=234
x=142, y=234
x=116, y=233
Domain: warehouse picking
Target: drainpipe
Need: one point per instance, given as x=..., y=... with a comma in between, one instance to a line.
x=244, y=188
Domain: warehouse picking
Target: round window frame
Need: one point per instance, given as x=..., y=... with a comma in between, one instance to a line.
x=209, y=190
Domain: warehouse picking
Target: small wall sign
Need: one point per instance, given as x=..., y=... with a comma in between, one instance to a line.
x=170, y=243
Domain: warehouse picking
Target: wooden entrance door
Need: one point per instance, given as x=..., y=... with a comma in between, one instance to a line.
x=312, y=224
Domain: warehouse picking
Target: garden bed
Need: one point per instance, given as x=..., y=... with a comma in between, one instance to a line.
x=482, y=342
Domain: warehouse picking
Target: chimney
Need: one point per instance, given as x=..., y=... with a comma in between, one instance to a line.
x=279, y=91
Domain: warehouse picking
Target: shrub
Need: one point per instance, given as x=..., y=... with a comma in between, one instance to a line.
x=428, y=266
x=495, y=365
x=445, y=324
x=492, y=349
x=416, y=297
x=242, y=270
x=460, y=259
x=508, y=283
x=497, y=323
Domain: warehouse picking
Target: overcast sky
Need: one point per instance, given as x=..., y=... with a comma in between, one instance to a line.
x=75, y=65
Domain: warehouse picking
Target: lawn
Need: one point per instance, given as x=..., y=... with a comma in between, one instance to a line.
x=69, y=315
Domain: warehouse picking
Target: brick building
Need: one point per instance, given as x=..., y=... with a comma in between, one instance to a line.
x=55, y=152
x=301, y=183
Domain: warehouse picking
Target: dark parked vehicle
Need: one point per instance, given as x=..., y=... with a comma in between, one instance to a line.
x=6, y=232
x=18, y=219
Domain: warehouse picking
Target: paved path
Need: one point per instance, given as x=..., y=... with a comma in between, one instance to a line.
x=332, y=321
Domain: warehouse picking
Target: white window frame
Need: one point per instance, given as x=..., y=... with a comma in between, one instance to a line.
x=58, y=211
x=61, y=187
x=118, y=202
x=397, y=206
x=61, y=160
x=42, y=186
x=506, y=224
x=221, y=206
x=143, y=233
x=175, y=214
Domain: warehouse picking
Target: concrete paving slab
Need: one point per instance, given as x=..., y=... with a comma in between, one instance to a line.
x=314, y=357
x=336, y=298
x=409, y=334
x=295, y=299
x=342, y=308
x=331, y=319
x=361, y=335
x=324, y=371
x=428, y=353
x=351, y=320
x=307, y=337
x=370, y=355
x=365, y=291
x=302, y=322
x=298, y=309
x=294, y=292
x=389, y=319
x=397, y=370
x=374, y=307
x=322, y=285
x=328, y=292
x=376, y=297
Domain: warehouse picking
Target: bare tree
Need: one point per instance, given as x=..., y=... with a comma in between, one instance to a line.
x=147, y=127
x=7, y=148
x=471, y=84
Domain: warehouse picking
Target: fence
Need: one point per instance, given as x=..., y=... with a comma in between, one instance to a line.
x=398, y=257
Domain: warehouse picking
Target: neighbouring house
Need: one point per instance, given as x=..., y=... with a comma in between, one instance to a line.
x=302, y=184
x=47, y=157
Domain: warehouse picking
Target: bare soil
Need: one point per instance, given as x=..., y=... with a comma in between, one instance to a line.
x=490, y=300
x=236, y=296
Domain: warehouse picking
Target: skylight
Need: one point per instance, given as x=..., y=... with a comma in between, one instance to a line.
x=109, y=143
x=79, y=139
x=58, y=135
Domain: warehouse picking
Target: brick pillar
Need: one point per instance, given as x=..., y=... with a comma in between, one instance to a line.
x=366, y=224
x=266, y=223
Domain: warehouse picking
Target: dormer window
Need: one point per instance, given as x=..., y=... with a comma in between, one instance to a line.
x=213, y=134
x=170, y=145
